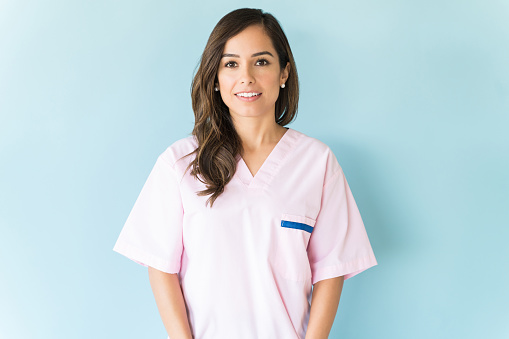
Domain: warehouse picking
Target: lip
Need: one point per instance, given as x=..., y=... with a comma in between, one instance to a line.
x=248, y=99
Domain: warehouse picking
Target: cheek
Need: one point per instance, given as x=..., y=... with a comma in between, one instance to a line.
x=224, y=80
x=271, y=79
x=272, y=82
x=225, y=89
x=225, y=96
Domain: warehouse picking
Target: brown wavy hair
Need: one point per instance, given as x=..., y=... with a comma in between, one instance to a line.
x=219, y=145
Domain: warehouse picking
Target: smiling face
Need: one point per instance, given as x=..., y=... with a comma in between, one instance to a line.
x=249, y=74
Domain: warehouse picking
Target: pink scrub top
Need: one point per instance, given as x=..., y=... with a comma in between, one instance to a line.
x=247, y=265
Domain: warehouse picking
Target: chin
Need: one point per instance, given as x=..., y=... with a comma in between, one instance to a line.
x=247, y=112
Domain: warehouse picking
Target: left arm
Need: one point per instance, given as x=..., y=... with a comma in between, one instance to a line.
x=324, y=305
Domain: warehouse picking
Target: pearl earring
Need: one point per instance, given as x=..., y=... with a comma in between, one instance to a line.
x=283, y=86
x=216, y=89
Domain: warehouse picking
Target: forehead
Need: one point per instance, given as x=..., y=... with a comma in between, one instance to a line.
x=251, y=40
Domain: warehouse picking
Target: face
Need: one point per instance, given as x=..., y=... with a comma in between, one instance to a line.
x=249, y=74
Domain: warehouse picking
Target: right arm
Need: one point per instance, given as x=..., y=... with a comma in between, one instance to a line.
x=170, y=302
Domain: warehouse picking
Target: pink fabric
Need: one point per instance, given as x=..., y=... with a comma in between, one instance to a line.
x=243, y=274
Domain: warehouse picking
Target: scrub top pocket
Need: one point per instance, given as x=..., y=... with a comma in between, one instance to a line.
x=292, y=261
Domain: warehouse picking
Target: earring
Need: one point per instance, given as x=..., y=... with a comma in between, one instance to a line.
x=283, y=86
x=216, y=89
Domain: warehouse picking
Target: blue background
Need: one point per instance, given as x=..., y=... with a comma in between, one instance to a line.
x=412, y=97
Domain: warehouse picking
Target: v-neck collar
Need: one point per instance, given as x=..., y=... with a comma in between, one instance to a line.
x=270, y=166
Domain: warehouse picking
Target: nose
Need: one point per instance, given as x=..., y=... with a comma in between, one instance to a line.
x=246, y=75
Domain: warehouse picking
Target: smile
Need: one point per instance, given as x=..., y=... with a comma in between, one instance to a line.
x=248, y=96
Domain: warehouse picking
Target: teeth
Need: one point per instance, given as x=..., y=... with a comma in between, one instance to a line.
x=247, y=95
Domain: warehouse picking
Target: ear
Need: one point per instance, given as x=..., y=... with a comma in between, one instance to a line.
x=285, y=72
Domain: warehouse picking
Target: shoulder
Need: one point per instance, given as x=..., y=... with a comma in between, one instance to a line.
x=311, y=143
x=318, y=153
x=179, y=149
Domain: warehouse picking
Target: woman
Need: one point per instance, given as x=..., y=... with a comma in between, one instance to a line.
x=238, y=221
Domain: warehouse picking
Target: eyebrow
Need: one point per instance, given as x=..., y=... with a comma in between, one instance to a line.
x=227, y=55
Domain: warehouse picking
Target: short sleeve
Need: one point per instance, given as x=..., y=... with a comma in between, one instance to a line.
x=152, y=234
x=339, y=244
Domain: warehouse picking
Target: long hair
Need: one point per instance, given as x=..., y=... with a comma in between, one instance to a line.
x=218, y=142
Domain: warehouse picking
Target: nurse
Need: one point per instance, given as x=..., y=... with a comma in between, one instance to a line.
x=248, y=228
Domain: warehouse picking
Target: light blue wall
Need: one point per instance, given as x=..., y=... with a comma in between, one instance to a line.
x=412, y=96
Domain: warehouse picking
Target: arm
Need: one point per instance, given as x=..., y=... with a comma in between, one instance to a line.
x=324, y=305
x=170, y=302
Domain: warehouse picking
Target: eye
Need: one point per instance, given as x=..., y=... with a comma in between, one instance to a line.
x=262, y=62
x=230, y=64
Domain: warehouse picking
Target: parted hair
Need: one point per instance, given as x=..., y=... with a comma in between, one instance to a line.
x=219, y=145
